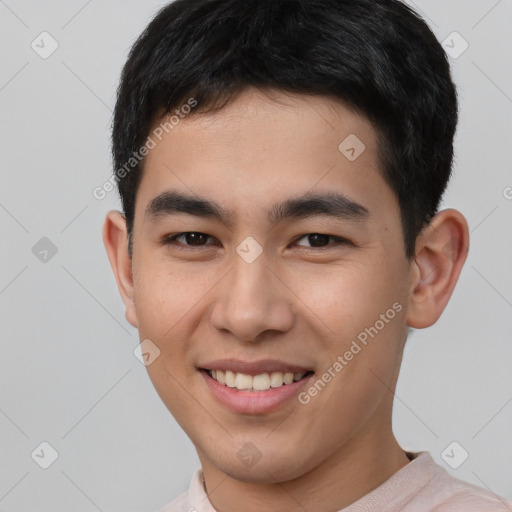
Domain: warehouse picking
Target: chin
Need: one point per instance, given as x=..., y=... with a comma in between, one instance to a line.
x=262, y=473
x=268, y=466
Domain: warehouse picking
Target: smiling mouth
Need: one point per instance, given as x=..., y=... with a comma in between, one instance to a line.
x=261, y=382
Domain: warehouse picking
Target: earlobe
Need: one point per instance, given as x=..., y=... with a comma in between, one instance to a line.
x=115, y=239
x=441, y=251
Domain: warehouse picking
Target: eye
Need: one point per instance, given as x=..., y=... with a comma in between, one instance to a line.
x=190, y=239
x=320, y=240
x=187, y=239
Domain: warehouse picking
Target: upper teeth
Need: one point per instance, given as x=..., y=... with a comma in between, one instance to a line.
x=260, y=382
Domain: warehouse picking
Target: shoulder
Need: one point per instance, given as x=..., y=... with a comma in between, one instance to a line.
x=455, y=495
x=450, y=494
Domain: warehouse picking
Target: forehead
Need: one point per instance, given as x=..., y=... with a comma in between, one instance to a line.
x=265, y=147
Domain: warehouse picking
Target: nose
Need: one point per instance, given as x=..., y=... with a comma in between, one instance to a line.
x=251, y=301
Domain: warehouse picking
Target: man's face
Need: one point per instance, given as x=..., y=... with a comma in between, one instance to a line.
x=258, y=296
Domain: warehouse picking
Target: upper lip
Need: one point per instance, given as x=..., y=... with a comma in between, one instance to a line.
x=254, y=367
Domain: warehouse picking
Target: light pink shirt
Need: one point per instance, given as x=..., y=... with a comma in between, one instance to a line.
x=421, y=486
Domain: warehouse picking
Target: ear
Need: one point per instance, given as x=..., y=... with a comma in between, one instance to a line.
x=441, y=251
x=115, y=238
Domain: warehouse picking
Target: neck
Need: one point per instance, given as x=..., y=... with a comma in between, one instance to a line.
x=348, y=474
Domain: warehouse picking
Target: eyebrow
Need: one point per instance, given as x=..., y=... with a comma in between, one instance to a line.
x=328, y=204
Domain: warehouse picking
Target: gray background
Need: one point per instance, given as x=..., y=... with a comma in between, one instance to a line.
x=68, y=375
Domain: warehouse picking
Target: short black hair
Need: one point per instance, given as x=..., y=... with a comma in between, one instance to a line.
x=377, y=57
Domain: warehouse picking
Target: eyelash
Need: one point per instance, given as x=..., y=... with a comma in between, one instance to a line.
x=170, y=239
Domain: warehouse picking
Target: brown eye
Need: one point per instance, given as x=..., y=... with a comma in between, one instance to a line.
x=317, y=239
x=320, y=240
x=188, y=239
x=195, y=238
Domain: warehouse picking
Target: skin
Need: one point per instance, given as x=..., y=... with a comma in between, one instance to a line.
x=296, y=302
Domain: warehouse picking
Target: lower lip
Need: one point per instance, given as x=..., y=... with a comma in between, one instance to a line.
x=253, y=402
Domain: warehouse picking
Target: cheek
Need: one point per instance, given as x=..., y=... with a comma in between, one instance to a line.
x=362, y=309
x=351, y=297
x=165, y=295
